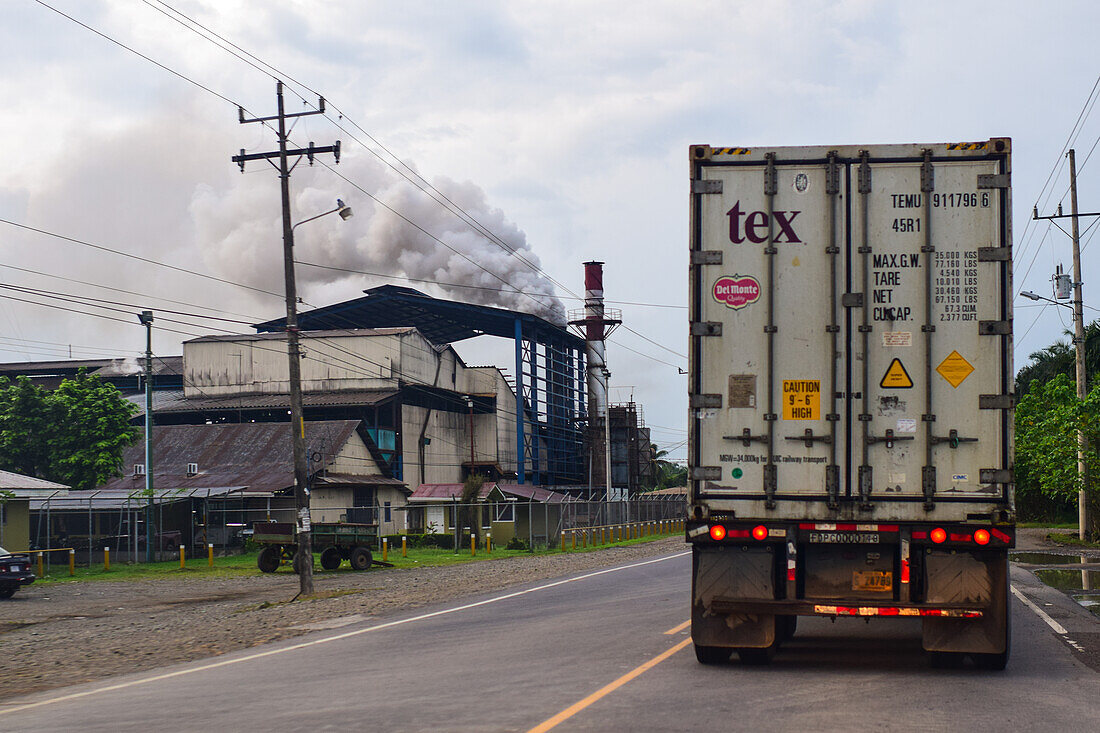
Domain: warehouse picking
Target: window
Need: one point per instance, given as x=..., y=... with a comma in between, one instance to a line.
x=388, y=512
x=505, y=512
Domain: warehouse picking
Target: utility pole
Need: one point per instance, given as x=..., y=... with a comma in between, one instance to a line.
x=1079, y=347
x=146, y=318
x=303, y=560
x=1078, y=306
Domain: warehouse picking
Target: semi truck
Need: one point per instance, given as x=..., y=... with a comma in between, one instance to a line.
x=850, y=386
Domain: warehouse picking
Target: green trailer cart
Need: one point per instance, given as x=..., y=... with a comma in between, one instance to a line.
x=337, y=541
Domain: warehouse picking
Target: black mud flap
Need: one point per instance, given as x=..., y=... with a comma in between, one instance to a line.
x=732, y=573
x=968, y=578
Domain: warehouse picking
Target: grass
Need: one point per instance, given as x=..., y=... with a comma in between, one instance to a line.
x=245, y=565
x=1047, y=525
x=1071, y=539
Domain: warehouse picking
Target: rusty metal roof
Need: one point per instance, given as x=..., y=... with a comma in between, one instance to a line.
x=252, y=455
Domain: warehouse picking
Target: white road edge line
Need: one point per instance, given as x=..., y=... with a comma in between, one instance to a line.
x=1058, y=628
x=327, y=639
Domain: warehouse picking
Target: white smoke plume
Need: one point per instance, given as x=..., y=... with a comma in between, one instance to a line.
x=239, y=232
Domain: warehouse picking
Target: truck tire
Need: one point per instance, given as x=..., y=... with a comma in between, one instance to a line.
x=712, y=654
x=757, y=656
x=330, y=558
x=786, y=627
x=268, y=561
x=360, y=558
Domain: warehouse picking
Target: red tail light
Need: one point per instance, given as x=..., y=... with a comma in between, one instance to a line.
x=981, y=536
x=760, y=532
x=938, y=535
x=717, y=532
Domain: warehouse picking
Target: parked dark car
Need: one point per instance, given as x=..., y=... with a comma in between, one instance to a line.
x=15, y=572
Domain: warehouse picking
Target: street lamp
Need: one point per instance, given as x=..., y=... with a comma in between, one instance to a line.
x=303, y=560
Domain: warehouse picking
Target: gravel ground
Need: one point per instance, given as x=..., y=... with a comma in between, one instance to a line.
x=58, y=635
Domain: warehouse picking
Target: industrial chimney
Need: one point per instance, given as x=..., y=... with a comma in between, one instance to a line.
x=596, y=323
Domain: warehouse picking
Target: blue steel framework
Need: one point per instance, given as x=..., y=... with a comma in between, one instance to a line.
x=550, y=388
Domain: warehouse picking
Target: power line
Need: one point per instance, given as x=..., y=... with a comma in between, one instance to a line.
x=133, y=256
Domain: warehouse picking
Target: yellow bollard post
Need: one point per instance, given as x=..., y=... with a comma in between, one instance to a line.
x=584, y=539
x=38, y=555
x=574, y=539
x=210, y=554
x=489, y=543
x=563, y=540
x=473, y=544
x=404, y=547
x=72, y=562
x=181, y=557
x=385, y=548
x=106, y=558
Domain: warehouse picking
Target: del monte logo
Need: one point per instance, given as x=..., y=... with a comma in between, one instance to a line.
x=736, y=291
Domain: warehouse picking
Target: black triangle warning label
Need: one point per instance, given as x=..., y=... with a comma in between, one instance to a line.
x=896, y=377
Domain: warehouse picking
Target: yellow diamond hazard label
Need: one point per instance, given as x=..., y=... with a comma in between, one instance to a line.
x=955, y=369
x=896, y=377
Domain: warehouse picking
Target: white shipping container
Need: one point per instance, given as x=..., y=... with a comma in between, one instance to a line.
x=851, y=332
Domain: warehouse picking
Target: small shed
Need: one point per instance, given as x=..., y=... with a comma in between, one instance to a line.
x=531, y=513
x=16, y=493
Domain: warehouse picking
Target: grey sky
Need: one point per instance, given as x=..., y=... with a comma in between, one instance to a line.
x=565, y=125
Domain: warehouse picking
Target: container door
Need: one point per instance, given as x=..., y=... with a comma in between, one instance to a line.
x=769, y=297
x=929, y=346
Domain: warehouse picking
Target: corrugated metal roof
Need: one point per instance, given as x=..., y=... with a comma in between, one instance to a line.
x=98, y=499
x=304, y=333
x=171, y=401
x=352, y=479
x=24, y=487
x=427, y=493
x=253, y=455
x=440, y=321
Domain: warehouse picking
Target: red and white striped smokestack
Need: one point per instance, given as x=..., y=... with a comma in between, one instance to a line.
x=595, y=331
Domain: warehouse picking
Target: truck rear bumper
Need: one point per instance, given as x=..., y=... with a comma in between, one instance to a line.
x=812, y=608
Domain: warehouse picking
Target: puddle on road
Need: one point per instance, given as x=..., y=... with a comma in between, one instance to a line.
x=1070, y=579
x=1091, y=602
x=1050, y=558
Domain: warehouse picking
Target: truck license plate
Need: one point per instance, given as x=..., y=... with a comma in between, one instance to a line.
x=873, y=580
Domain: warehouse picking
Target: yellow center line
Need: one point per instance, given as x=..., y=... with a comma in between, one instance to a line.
x=678, y=629
x=603, y=692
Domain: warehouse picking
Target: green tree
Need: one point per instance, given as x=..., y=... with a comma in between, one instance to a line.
x=667, y=474
x=74, y=435
x=1059, y=358
x=28, y=418
x=1047, y=420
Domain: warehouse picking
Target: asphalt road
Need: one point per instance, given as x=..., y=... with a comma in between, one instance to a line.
x=600, y=651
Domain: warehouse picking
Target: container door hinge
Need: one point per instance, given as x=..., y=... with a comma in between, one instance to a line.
x=995, y=475
x=994, y=328
x=706, y=328
x=994, y=180
x=706, y=400
x=771, y=483
x=996, y=401
x=994, y=254
x=927, y=173
x=866, y=476
x=832, y=486
x=706, y=186
x=707, y=257
x=928, y=486
x=706, y=473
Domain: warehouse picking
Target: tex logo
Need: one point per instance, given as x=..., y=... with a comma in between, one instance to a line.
x=736, y=291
